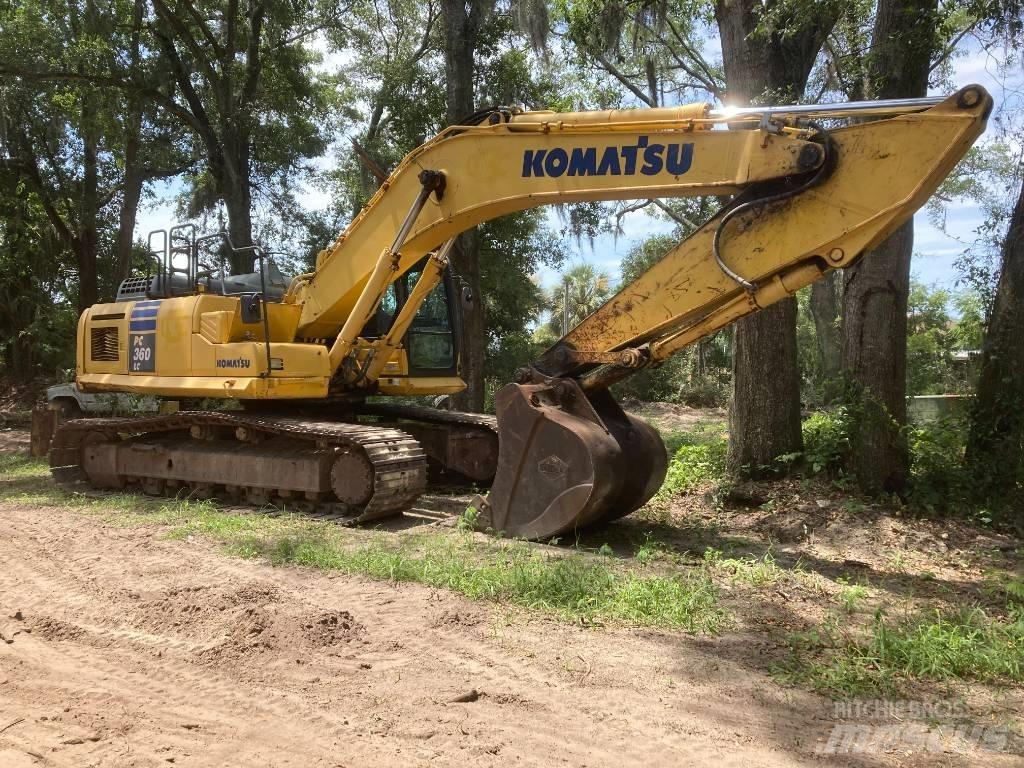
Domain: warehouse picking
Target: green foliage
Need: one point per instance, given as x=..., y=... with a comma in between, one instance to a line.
x=694, y=461
x=513, y=249
x=989, y=177
x=941, y=646
x=940, y=481
x=933, y=335
x=645, y=254
x=581, y=289
x=37, y=314
x=826, y=440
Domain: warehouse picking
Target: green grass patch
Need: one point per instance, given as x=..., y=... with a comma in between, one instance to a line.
x=696, y=459
x=940, y=646
x=754, y=571
x=571, y=586
x=19, y=465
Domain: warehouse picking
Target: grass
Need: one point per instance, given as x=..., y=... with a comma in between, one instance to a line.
x=837, y=658
x=571, y=586
x=696, y=459
x=851, y=596
x=941, y=646
x=753, y=571
x=21, y=465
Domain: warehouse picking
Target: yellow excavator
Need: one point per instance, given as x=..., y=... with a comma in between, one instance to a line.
x=812, y=186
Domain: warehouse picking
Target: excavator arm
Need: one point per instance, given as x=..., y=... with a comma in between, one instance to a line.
x=812, y=195
x=569, y=456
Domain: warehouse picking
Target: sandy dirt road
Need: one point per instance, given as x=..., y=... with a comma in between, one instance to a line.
x=123, y=649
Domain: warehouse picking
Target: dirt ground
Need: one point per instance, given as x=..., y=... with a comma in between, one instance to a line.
x=134, y=651
x=12, y=440
x=119, y=647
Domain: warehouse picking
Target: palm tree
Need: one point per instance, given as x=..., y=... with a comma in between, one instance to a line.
x=581, y=290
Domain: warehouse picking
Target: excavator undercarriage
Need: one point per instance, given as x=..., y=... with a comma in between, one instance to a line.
x=312, y=360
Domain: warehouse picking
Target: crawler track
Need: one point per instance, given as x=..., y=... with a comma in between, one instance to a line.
x=390, y=463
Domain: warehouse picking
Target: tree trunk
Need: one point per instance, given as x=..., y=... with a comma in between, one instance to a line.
x=995, y=449
x=86, y=239
x=236, y=191
x=238, y=201
x=764, y=420
x=132, y=192
x=826, y=307
x=133, y=175
x=765, y=415
x=461, y=22
x=875, y=361
x=876, y=288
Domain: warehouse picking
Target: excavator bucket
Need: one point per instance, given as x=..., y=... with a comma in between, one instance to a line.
x=566, y=460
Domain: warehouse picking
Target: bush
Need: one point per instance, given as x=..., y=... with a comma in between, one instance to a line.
x=707, y=393
x=826, y=440
x=938, y=478
x=692, y=464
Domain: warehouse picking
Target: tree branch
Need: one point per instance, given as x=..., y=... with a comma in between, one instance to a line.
x=368, y=162
x=678, y=218
x=614, y=71
x=254, y=64
x=203, y=28
x=183, y=33
x=127, y=86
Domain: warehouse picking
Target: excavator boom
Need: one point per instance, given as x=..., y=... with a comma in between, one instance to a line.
x=569, y=456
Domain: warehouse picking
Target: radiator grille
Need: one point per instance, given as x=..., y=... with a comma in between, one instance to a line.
x=104, y=344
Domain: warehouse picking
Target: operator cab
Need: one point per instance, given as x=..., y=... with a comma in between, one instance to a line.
x=430, y=342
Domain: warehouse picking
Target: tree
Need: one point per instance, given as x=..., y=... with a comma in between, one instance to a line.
x=768, y=52
x=826, y=304
x=581, y=290
x=37, y=311
x=243, y=84
x=995, y=449
x=248, y=92
x=396, y=75
x=461, y=22
x=52, y=132
x=875, y=289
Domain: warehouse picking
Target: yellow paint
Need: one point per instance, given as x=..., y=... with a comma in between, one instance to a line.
x=885, y=170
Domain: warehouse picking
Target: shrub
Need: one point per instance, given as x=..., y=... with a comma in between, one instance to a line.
x=826, y=440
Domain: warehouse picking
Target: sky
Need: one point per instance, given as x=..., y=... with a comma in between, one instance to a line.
x=934, y=250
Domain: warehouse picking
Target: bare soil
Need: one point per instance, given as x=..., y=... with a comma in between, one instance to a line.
x=21, y=395
x=12, y=440
x=675, y=417
x=122, y=649
x=119, y=647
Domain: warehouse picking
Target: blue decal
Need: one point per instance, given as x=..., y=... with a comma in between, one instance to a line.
x=137, y=313
x=142, y=325
x=621, y=160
